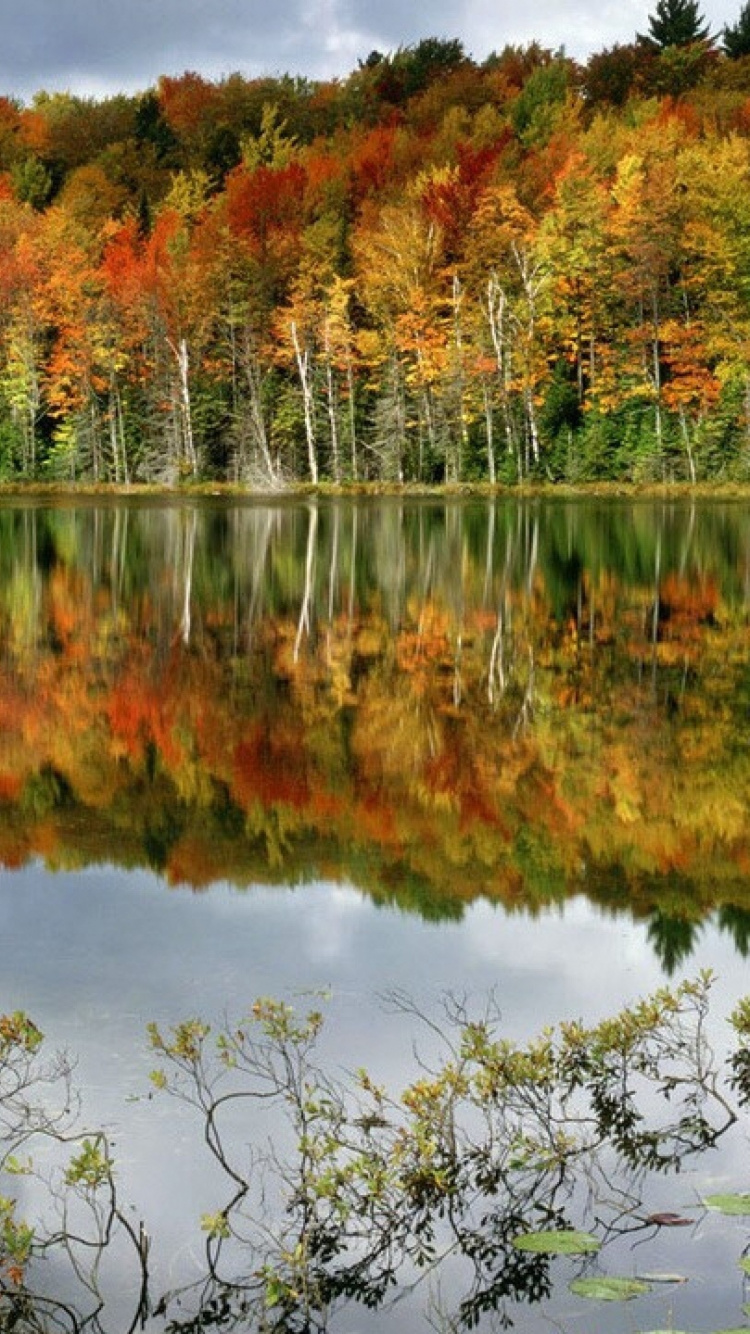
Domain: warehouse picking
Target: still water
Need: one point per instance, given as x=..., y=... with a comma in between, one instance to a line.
x=278, y=749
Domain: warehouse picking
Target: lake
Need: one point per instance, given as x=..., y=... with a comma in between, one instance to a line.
x=338, y=752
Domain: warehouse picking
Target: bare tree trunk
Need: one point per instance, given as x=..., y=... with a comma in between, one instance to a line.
x=463, y=434
x=352, y=417
x=496, y=312
x=657, y=380
x=114, y=443
x=331, y=401
x=490, y=432
x=688, y=444
x=187, y=441
x=532, y=280
x=123, y=442
x=531, y=418
x=303, y=366
x=257, y=420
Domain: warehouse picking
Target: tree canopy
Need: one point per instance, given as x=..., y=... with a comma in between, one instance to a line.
x=431, y=271
x=737, y=36
x=676, y=23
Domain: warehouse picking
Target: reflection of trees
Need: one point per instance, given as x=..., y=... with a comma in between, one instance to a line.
x=513, y=700
x=461, y=555
x=673, y=939
x=69, y=1173
x=362, y=1194
x=736, y=921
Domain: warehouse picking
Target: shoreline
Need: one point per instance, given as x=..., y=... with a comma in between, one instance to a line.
x=682, y=491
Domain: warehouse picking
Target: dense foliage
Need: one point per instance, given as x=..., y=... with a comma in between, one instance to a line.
x=431, y=270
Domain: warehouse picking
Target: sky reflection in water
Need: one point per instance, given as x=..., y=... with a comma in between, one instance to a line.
x=94, y=956
x=242, y=604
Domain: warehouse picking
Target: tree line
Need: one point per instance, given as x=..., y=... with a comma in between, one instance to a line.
x=434, y=270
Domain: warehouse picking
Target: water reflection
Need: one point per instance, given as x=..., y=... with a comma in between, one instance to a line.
x=354, y=1194
x=434, y=702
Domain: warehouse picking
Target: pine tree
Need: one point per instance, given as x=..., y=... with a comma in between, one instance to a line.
x=737, y=38
x=675, y=23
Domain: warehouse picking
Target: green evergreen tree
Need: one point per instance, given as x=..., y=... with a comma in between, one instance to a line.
x=32, y=181
x=675, y=23
x=737, y=37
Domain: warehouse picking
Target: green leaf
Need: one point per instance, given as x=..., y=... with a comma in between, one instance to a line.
x=609, y=1289
x=215, y=1225
x=14, y=1166
x=90, y=1166
x=274, y=1291
x=557, y=1243
x=744, y=1263
x=729, y=1204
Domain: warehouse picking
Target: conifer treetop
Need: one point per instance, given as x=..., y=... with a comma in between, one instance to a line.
x=736, y=38
x=675, y=23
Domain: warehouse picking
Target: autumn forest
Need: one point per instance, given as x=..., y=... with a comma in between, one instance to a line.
x=434, y=270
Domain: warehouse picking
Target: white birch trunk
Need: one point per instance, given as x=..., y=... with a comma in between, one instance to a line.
x=303, y=366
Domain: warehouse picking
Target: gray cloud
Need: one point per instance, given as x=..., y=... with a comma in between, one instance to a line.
x=101, y=46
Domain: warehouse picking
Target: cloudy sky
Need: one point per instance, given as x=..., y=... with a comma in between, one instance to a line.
x=96, y=47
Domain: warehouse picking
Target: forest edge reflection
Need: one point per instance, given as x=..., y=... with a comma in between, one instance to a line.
x=434, y=701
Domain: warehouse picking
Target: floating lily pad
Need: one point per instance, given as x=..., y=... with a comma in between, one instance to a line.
x=562, y=1242
x=729, y=1204
x=609, y=1289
